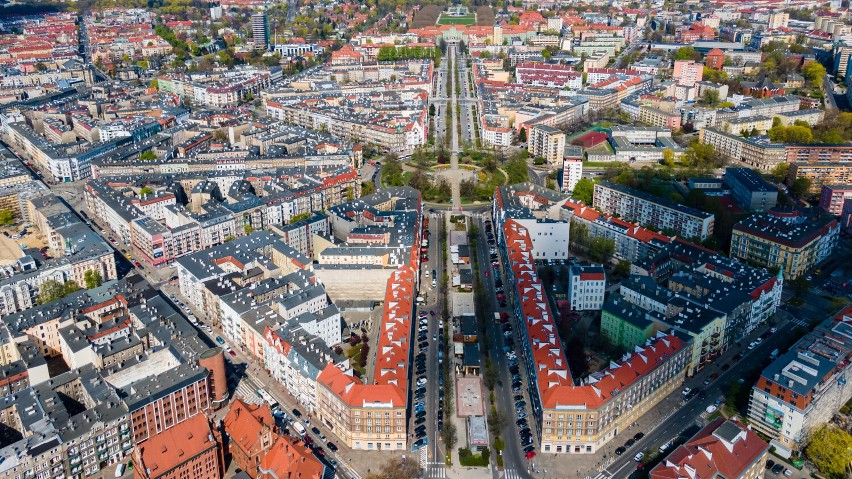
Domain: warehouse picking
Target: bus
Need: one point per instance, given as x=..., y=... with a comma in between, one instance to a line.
x=267, y=398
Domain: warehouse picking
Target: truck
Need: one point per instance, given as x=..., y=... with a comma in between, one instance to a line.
x=774, y=354
x=299, y=428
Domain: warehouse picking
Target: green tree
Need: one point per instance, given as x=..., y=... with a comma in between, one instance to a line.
x=432, y=110
x=584, y=190
x=93, y=278
x=154, y=84
x=781, y=172
x=7, y=217
x=40, y=67
x=49, y=291
x=686, y=53
x=710, y=97
x=518, y=171
x=522, y=135
x=814, y=73
x=248, y=229
x=496, y=422
x=601, y=249
x=622, y=268
x=800, y=187
x=830, y=449
x=144, y=191
x=69, y=287
x=702, y=155
x=791, y=134
x=148, y=155
x=367, y=188
x=668, y=157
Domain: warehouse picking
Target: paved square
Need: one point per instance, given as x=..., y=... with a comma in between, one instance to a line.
x=469, y=397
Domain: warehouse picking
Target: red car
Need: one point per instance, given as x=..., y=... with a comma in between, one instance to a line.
x=138, y=264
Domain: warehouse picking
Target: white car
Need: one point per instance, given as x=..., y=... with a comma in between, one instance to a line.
x=638, y=457
x=686, y=391
x=773, y=330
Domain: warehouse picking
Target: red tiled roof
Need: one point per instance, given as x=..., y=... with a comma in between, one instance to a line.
x=175, y=446
x=289, y=458
x=709, y=454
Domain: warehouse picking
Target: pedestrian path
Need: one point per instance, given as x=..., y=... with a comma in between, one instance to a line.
x=436, y=471
x=247, y=393
x=511, y=473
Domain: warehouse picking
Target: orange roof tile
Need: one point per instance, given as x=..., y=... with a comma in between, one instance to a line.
x=175, y=446
x=289, y=458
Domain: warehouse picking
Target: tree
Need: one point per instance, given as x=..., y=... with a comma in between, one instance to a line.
x=686, y=53
x=496, y=422
x=622, y=268
x=93, y=278
x=144, y=191
x=248, y=229
x=7, y=217
x=432, y=110
x=781, y=172
x=584, y=190
x=522, y=135
x=148, y=156
x=791, y=134
x=69, y=287
x=814, y=73
x=800, y=187
x=449, y=434
x=601, y=249
x=396, y=468
x=710, y=97
x=367, y=188
x=668, y=157
x=49, y=291
x=830, y=449
x=40, y=67
x=702, y=155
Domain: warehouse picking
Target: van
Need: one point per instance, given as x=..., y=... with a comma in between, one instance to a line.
x=299, y=428
x=119, y=471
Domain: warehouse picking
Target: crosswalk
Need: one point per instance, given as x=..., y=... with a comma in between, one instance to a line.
x=511, y=473
x=437, y=472
x=601, y=475
x=246, y=392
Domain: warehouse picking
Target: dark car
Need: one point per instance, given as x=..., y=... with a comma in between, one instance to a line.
x=315, y=430
x=529, y=448
x=331, y=446
x=620, y=450
x=297, y=413
x=725, y=367
x=770, y=463
x=777, y=469
x=319, y=451
x=630, y=443
x=639, y=435
x=420, y=420
x=440, y=424
x=420, y=434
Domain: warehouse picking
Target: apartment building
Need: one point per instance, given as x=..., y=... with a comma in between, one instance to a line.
x=572, y=167
x=643, y=208
x=756, y=152
x=570, y=418
x=550, y=75
x=791, y=241
x=822, y=173
x=659, y=118
x=586, y=287
x=722, y=448
x=251, y=433
x=750, y=190
x=832, y=197
x=546, y=142
x=687, y=72
x=189, y=449
x=373, y=415
x=805, y=387
x=632, y=242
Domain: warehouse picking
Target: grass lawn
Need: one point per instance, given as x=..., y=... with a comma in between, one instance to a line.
x=468, y=19
x=601, y=164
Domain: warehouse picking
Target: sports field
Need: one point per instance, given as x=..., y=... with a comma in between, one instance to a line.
x=468, y=19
